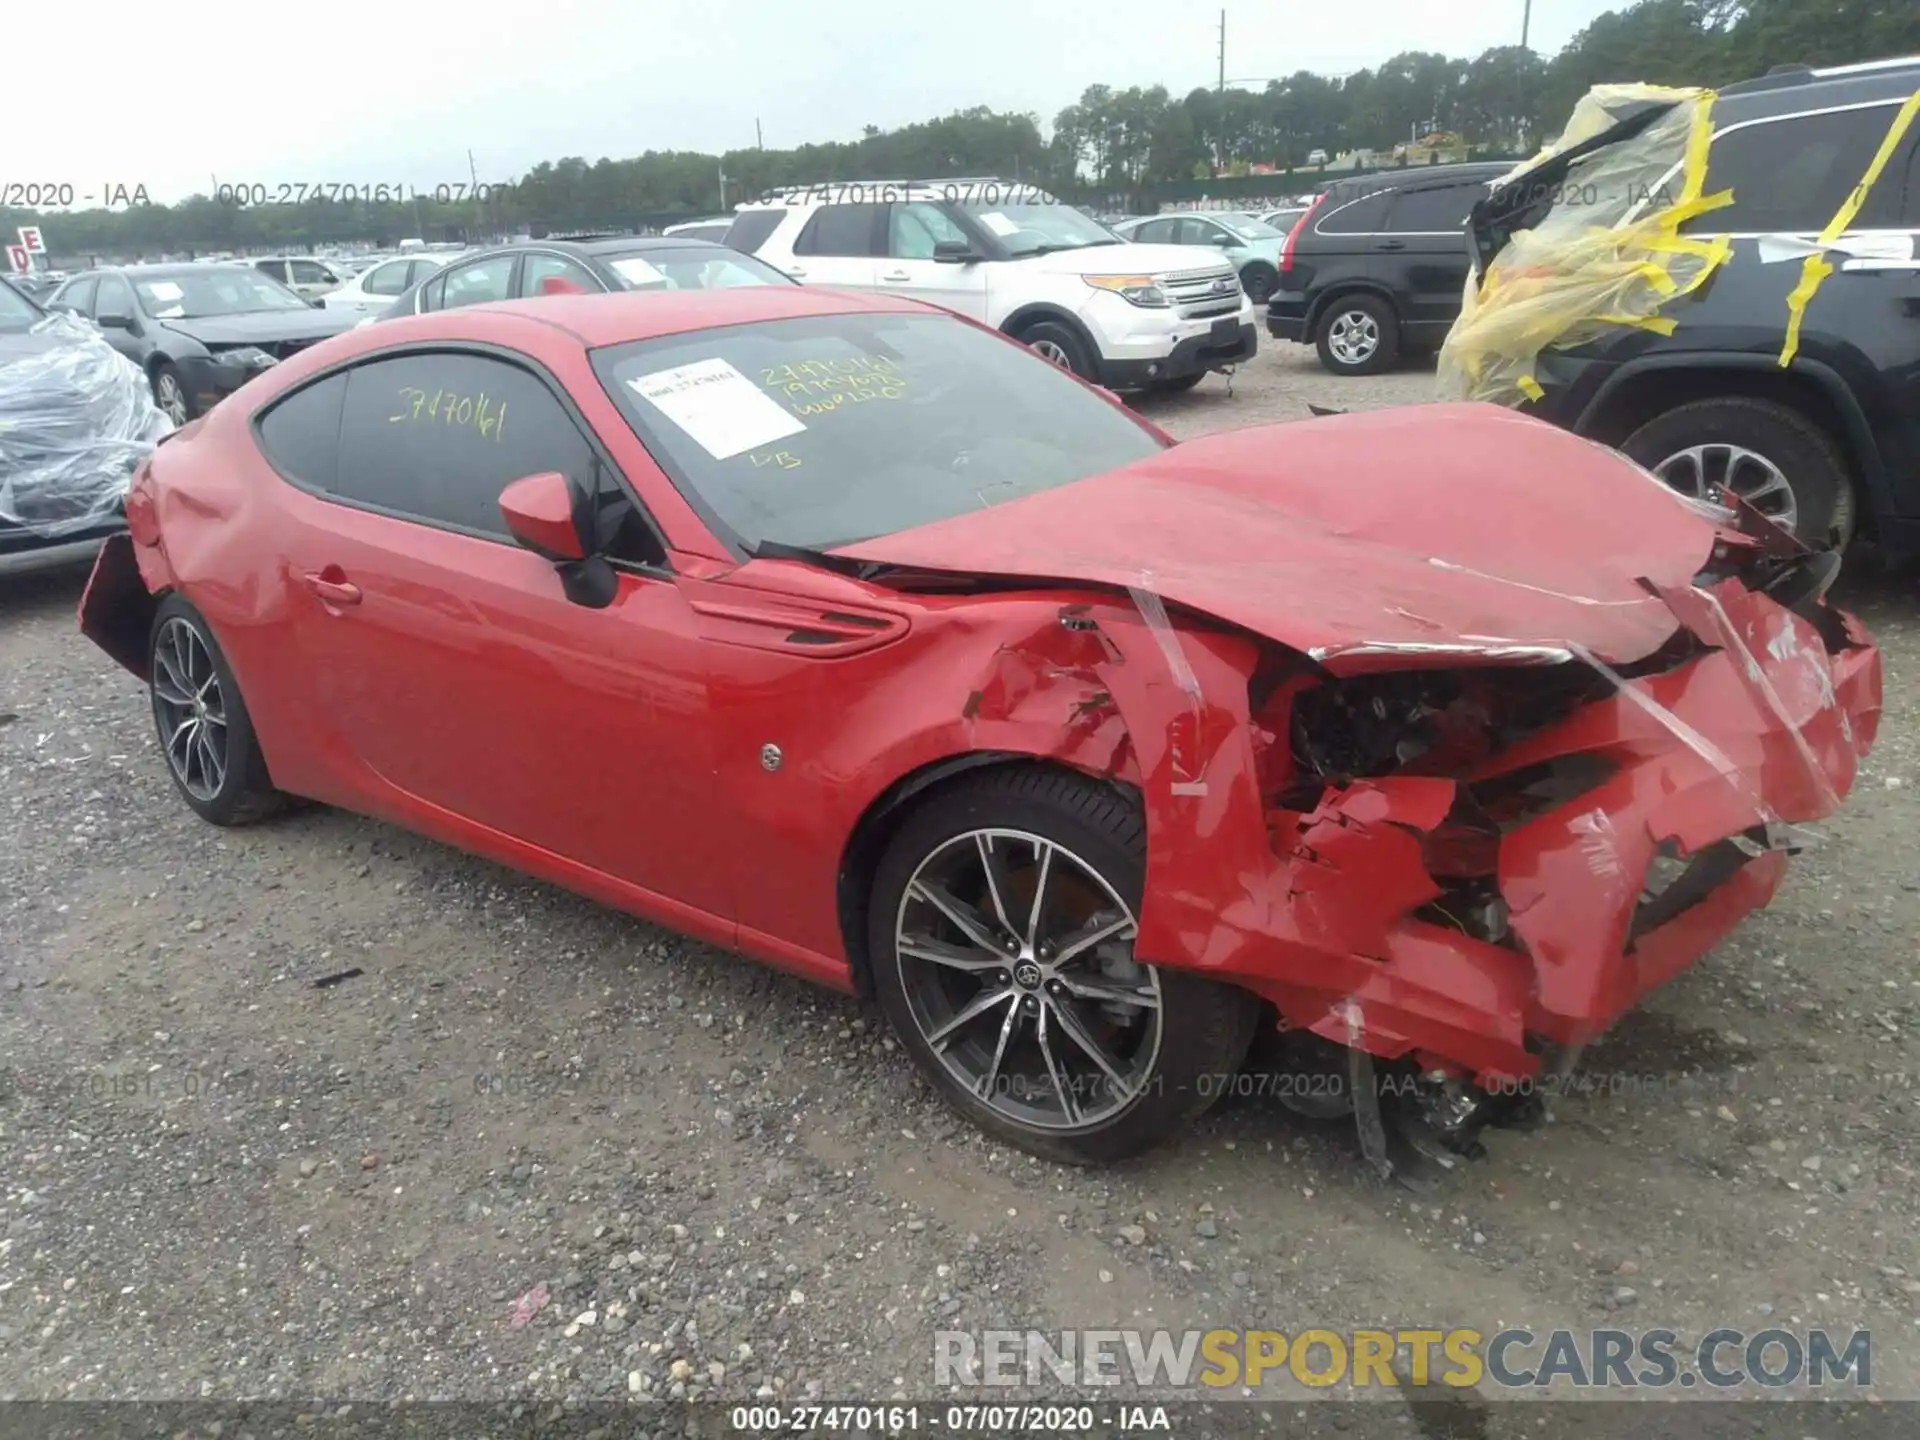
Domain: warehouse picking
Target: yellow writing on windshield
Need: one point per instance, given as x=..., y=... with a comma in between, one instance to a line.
x=449, y=408
x=814, y=387
x=786, y=460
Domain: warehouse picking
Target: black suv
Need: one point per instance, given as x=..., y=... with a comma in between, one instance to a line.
x=1830, y=443
x=1375, y=269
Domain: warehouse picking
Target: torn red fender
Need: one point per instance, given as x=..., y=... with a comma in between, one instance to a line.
x=1358, y=861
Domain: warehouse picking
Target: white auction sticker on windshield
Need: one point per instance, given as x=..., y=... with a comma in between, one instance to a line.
x=165, y=290
x=637, y=272
x=724, y=411
x=998, y=223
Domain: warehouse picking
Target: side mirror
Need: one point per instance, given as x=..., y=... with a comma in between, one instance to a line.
x=538, y=510
x=317, y=303
x=111, y=321
x=955, y=252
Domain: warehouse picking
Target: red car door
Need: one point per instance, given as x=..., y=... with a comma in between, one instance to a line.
x=449, y=674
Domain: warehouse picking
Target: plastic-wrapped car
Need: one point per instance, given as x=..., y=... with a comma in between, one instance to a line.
x=75, y=418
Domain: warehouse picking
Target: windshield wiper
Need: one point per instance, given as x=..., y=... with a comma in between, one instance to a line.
x=1054, y=249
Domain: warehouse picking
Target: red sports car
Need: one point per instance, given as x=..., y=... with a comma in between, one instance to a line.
x=849, y=634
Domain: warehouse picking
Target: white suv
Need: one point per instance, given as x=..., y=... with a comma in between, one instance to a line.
x=1130, y=317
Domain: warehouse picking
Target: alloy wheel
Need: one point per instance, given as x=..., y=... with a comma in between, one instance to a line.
x=1706, y=472
x=190, y=709
x=1016, y=962
x=1353, y=337
x=171, y=398
x=1052, y=350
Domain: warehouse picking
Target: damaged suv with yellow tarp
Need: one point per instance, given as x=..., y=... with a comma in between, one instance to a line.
x=1725, y=285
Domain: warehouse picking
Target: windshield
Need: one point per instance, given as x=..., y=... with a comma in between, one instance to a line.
x=1249, y=227
x=1040, y=229
x=822, y=431
x=17, y=314
x=695, y=268
x=191, y=294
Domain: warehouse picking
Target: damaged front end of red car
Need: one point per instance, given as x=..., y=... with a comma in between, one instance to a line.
x=1459, y=874
x=1450, y=866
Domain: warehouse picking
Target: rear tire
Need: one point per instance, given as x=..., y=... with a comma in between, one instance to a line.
x=1054, y=342
x=205, y=733
x=1790, y=467
x=1024, y=1067
x=1358, y=335
x=1259, y=281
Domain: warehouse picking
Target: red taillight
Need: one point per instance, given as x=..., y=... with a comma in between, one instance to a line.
x=1293, y=235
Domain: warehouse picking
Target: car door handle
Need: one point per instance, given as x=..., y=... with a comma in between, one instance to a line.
x=896, y=275
x=334, y=592
x=1389, y=244
x=796, y=272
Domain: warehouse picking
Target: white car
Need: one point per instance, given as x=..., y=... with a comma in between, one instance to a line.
x=374, y=289
x=1129, y=317
x=1316, y=157
x=308, y=276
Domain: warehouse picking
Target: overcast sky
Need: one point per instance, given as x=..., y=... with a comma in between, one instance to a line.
x=358, y=94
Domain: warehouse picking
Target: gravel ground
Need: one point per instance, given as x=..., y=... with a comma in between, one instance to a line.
x=219, y=1179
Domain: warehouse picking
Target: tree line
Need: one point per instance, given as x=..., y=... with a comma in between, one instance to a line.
x=1109, y=142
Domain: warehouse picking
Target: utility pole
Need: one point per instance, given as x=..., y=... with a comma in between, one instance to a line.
x=1526, y=22
x=759, y=140
x=723, y=187
x=473, y=174
x=1220, y=107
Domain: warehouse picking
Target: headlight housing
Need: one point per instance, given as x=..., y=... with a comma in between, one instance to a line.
x=246, y=357
x=1142, y=290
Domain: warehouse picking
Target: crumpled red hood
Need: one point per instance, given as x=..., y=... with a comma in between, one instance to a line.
x=1443, y=530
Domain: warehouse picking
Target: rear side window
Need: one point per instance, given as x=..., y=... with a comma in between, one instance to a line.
x=1364, y=215
x=1794, y=174
x=387, y=279
x=1154, y=232
x=479, y=283
x=421, y=270
x=301, y=435
x=76, y=296
x=1432, y=209
x=752, y=228
x=841, y=230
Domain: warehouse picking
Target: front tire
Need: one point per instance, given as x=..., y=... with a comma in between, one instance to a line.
x=1054, y=342
x=170, y=394
x=205, y=732
x=1001, y=934
x=1358, y=335
x=1769, y=454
